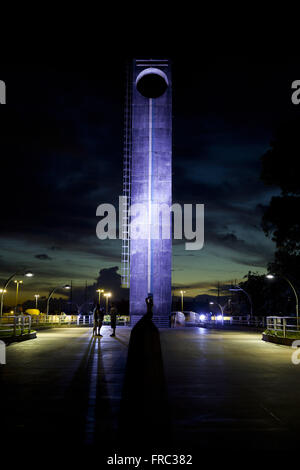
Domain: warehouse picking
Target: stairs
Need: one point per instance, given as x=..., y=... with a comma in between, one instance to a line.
x=161, y=321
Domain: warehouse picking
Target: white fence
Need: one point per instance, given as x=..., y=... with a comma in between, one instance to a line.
x=15, y=325
x=43, y=319
x=79, y=320
x=208, y=319
x=283, y=325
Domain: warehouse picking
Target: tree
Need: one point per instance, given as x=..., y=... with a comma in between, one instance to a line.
x=268, y=297
x=281, y=219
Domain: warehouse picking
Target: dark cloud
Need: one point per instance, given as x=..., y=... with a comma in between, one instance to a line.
x=43, y=257
x=61, y=143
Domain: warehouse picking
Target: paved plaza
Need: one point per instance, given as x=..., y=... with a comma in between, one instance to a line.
x=223, y=389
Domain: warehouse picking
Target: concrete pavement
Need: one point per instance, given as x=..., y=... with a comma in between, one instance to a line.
x=64, y=385
x=224, y=388
x=231, y=390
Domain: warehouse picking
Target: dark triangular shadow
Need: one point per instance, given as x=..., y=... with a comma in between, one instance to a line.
x=144, y=410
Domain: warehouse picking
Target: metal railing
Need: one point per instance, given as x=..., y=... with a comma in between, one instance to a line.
x=247, y=320
x=79, y=320
x=43, y=319
x=15, y=325
x=238, y=320
x=208, y=319
x=282, y=326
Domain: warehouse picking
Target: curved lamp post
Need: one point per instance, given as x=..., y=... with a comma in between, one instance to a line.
x=17, y=292
x=2, y=291
x=36, y=300
x=66, y=286
x=271, y=276
x=240, y=289
x=220, y=306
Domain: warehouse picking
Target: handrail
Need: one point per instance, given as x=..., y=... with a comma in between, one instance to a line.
x=16, y=324
x=84, y=320
x=282, y=324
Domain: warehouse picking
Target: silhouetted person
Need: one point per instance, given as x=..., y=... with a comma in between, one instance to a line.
x=113, y=319
x=98, y=320
x=149, y=303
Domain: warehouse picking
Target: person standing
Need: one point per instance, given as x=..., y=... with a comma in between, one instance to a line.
x=149, y=303
x=97, y=321
x=113, y=319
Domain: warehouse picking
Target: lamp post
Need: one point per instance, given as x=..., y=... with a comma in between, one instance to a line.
x=182, y=292
x=36, y=300
x=99, y=293
x=271, y=276
x=17, y=292
x=240, y=289
x=67, y=287
x=107, y=295
x=3, y=291
x=220, y=306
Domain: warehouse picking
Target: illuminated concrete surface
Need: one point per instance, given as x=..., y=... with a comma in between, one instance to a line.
x=151, y=185
x=64, y=384
x=231, y=389
x=225, y=388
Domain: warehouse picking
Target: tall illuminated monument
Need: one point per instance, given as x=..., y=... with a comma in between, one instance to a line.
x=146, y=262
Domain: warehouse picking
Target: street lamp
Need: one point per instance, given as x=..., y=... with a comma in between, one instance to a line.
x=36, y=300
x=107, y=295
x=182, y=292
x=3, y=291
x=99, y=292
x=67, y=287
x=221, y=308
x=17, y=292
x=240, y=289
x=271, y=276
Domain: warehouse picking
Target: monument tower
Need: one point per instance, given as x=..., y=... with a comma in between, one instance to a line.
x=146, y=261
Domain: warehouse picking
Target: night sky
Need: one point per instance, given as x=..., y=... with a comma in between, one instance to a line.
x=61, y=156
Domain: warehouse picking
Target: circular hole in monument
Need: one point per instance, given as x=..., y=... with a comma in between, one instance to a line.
x=152, y=83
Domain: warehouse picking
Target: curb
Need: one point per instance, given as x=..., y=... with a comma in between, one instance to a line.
x=53, y=325
x=243, y=328
x=278, y=340
x=18, y=339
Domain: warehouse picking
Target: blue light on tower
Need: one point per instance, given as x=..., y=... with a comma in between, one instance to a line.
x=151, y=185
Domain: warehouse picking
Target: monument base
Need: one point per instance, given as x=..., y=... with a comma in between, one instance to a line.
x=161, y=321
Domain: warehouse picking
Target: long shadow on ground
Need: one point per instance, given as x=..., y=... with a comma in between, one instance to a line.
x=144, y=412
